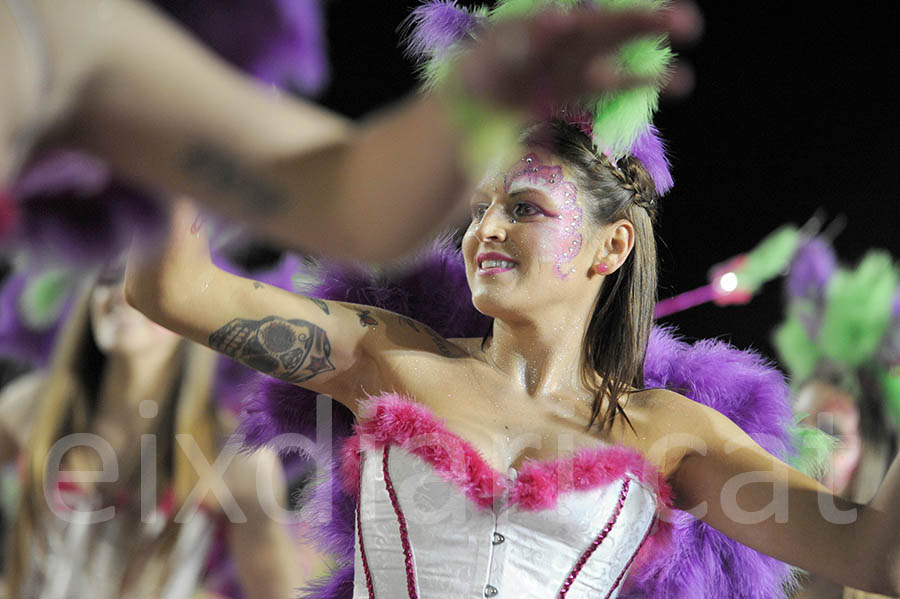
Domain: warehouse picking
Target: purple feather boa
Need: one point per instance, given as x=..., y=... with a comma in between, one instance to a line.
x=700, y=563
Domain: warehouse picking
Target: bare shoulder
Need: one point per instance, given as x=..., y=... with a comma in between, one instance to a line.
x=667, y=427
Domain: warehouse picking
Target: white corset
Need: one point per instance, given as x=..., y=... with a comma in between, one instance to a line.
x=435, y=522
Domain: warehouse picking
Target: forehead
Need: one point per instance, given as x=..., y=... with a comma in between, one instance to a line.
x=532, y=166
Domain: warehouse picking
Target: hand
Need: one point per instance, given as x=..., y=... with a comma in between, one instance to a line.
x=554, y=58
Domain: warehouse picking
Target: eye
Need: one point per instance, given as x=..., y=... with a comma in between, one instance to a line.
x=524, y=209
x=478, y=211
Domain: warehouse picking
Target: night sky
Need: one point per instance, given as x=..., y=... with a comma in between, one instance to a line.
x=792, y=112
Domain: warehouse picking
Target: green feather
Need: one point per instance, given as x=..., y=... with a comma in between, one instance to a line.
x=813, y=449
x=769, y=258
x=44, y=297
x=890, y=383
x=858, y=309
x=619, y=117
x=797, y=351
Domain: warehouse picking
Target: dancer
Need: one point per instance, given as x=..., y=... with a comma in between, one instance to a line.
x=101, y=76
x=136, y=403
x=839, y=341
x=532, y=462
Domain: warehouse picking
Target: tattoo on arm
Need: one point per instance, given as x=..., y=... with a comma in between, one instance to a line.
x=366, y=319
x=224, y=176
x=408, y=322
x=257, y=285
x=322, y=305
x=292, y=350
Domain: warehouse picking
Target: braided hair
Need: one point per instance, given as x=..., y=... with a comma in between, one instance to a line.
x=615, y=343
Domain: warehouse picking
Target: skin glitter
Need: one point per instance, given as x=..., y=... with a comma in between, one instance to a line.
x=565, y=238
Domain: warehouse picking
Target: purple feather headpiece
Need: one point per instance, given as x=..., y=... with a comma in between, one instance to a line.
x=700, y=561
x=811, y=269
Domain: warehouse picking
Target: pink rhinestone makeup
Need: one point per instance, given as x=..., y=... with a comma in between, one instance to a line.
x=566, y=238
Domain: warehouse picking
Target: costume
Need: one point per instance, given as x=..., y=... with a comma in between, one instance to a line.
x=683, y=559
x=85, y=558
x=568, y=528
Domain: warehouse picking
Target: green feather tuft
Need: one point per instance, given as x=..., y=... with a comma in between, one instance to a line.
x=44, y=298
x=796, y=350
x=619, y=117
x=814, y=448
x=769, y=258
x=890, y=383
x=858, y=309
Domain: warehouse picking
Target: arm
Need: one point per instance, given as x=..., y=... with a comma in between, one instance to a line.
x=329, y=347
x=137, y=91
x=727, y=480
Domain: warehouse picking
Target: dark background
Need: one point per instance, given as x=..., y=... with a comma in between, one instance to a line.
x=793, y=111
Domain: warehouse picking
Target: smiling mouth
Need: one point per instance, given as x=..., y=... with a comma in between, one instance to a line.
x=497, y=265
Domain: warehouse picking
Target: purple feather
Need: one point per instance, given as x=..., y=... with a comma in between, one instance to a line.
x=650, y=149
x=281, y=42
x=71, y=209
x=703, y=562
x=811, y=269
x=435, y=26
x=700, y=563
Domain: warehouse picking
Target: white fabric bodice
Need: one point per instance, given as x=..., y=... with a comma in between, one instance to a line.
x=420, y=533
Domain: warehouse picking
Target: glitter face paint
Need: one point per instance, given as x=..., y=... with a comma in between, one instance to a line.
x=565, y=238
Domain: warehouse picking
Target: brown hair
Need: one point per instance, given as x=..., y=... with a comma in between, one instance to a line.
x=615, y=343
x=66, y=403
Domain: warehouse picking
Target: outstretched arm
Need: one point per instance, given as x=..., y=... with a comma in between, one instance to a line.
x=129, y=86
x=730, y=482
x=337, y=348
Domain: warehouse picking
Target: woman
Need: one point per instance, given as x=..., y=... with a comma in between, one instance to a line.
x=118, y=80
x=127, y=406
x=838, y=341
x=560, y=252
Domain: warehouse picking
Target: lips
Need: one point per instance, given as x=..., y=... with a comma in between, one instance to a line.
x=493, y=262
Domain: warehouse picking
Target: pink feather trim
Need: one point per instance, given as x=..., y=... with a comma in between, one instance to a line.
x=392, y=419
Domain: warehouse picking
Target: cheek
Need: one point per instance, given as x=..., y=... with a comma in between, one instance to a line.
x=562, y=239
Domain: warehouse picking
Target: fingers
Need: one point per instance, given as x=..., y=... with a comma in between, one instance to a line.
x=560, y=57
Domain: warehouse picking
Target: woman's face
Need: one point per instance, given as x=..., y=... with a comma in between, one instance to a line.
x=528, y=242
x=120, y=329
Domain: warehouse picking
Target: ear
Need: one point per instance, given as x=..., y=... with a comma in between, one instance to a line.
x=616, y=243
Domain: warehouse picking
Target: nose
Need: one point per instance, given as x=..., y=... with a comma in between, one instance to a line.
x=492, y=226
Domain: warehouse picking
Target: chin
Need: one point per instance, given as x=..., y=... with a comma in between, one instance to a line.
x=495, y=304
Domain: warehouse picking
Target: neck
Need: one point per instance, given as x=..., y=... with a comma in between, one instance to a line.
x=544, y=356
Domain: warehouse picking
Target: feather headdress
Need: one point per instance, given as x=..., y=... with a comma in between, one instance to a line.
x=618, y=122
x=844, y=322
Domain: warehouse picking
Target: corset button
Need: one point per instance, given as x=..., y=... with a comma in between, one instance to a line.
x=490, y=591
x=498, y=538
